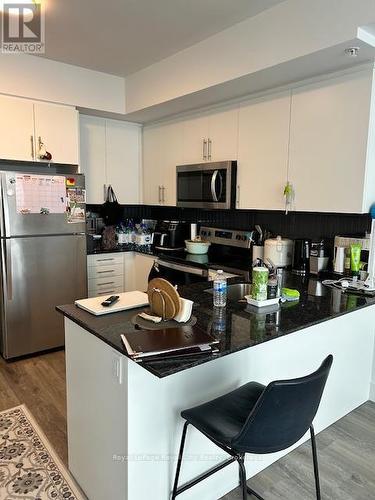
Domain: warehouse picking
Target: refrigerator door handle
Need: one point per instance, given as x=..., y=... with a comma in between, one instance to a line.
x=6, y=257
x=5, y=226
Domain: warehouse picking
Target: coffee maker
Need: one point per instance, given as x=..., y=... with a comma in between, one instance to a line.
x=301, y=256
x=170, y=235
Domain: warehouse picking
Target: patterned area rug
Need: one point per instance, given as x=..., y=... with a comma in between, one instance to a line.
x=29, y=468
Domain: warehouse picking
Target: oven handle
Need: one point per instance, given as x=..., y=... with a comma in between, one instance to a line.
x=183, y=268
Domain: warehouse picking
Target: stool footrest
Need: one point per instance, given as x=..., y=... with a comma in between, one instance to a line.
x=254, y=493
x=203, y=476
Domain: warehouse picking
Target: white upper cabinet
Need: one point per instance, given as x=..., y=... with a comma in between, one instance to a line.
x=330, y=163
x=123, y=142
x=23, y=122
x=57, y=127
x=162, y=152
x=110, y=155
x=16, y=129
x=92, y=161
x=263, y=152
x=151, y=165
x=195, y=139
x=211, y=137
x=223, y=135
x=170, y=156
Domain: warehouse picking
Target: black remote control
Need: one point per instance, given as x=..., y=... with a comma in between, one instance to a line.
x=110, y=301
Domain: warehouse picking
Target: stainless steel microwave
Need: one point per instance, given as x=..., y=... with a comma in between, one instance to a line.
x=207, y=185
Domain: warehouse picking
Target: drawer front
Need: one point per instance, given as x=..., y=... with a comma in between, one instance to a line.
x=105, y=292
x=105, y=282
x=107, y=259
x=105, y=271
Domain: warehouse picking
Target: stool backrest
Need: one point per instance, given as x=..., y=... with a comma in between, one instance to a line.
x=283, y=413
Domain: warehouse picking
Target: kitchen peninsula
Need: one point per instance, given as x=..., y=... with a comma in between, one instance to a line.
x=124, y=421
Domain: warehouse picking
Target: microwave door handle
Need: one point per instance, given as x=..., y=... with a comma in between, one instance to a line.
x=213, y=185
x=221, y=186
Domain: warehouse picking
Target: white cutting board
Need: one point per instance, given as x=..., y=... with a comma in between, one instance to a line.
x=127, y=300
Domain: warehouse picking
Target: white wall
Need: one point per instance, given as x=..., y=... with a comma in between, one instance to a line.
x=47, y=80
x=289, y=30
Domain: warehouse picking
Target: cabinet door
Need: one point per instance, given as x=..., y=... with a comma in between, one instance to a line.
x=329, y=131
x=57, y=126
x=151, y=166
x=263, y=152
x=170, y=147
x=122, y=160
x=195, y=131
x=142, y=266
x=223, y=135
x=16, y=129
x=96, y=379
x=92, y=135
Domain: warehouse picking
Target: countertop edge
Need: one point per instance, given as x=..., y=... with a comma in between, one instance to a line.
x=198, y=362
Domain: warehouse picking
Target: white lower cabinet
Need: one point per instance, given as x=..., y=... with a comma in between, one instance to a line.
x=105, y=274
x=117, y=272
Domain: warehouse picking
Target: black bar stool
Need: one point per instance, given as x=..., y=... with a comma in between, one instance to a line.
x=257, y=419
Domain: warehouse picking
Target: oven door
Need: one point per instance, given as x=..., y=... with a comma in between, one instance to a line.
x=177, y=274
x=206, y=185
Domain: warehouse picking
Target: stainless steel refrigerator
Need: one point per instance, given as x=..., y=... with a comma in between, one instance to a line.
x=43, y=259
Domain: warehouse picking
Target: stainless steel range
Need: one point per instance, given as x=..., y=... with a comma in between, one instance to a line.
x=230, y=250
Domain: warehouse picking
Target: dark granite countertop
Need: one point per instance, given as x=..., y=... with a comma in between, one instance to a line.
x=238, y=325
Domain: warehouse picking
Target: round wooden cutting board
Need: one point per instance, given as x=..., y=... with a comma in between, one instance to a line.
x=163, y=298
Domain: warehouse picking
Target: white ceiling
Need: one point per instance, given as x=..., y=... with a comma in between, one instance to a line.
x=123, y=36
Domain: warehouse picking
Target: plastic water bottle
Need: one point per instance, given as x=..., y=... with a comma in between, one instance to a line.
x=220, y=289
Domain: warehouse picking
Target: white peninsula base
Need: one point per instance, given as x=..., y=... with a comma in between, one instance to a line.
x=124, y=423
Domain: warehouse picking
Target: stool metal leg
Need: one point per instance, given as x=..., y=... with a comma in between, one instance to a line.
x=315, y=460
x=246, y=490
x=241, y=466
x=179, y=461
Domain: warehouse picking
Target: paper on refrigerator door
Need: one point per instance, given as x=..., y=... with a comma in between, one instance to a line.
x=40, y=194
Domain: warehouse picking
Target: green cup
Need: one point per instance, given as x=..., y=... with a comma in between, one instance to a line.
x=259, y=284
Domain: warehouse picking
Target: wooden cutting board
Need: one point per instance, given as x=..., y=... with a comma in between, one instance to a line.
x=164, y=299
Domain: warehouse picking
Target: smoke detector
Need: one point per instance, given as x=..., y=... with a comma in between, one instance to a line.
x=352, y=51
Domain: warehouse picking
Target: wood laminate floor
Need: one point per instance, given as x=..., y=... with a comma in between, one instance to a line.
x=39, y=383
x=346, y=449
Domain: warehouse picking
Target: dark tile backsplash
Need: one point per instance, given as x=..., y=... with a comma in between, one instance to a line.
x=294, y=225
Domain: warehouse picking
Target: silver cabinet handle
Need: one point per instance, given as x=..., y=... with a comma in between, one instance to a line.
x=238, y=196
x=163, y=194
x=105, y=192
x=159, y=194
x=209, y=142
x=204, y=154
x=105, y=272
x=106, y=284
x=32, y=147
x=105, y=260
